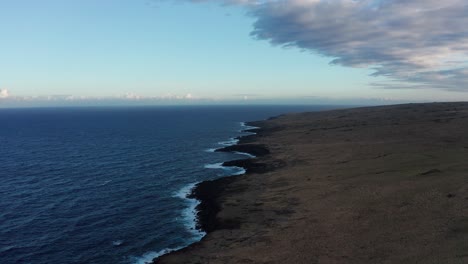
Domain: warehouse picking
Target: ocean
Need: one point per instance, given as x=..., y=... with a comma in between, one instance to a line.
x=108, y=185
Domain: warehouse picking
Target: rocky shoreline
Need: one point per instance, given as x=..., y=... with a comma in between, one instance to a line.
x=208, y=192
x=363, y=186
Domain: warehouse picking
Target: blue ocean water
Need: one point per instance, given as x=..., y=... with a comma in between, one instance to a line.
x=106, y=185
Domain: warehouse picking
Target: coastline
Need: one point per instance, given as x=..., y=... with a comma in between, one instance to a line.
x=206, y=193
x=363, y=185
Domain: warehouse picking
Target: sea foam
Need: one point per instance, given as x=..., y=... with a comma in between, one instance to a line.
x=189, y=216
x=211, y=150
x=148, y=257
x=190, y=213
x=214, y=166
x=245, y=154
x=240, y=171
x=246, y=127
x=227, y=170
x=230, y=142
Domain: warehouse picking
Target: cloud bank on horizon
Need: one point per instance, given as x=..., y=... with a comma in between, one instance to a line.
x=9, y=100
x=413, y=43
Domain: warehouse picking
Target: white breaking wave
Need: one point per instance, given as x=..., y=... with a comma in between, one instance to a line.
x=117, y=243
x=190, y=213
x=214, y=166
x=148, y=257
x=245, y=154
x=211, y=150
x=229, y=142
x=189, y=216
x=246, y=127
x=240, y=172
x=185, y=191
x=231, y=170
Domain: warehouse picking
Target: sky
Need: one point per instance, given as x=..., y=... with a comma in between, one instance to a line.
x=67, y=52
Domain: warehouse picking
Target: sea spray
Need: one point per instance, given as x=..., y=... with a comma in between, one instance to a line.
x=189, y=216
x=190, y=213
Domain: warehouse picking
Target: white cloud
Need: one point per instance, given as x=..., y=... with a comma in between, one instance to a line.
x=131, y=96
x=4, y=93
x=418, y=43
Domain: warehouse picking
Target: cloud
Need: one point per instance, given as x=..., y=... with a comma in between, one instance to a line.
x=4, y=93
x=413, y=43
x=79, y=100
x=128, y=97
x=131, y=96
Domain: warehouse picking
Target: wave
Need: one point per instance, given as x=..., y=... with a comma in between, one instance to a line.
x=148, y=257
x=229, y=170
x=214, y=166
x=104, y=183
x=245, y=154
x=117, y=243
x=240, y=172
x=189, y=216
x=246, y=127
x=230, y=142
x=211, y=150
x=190, y=213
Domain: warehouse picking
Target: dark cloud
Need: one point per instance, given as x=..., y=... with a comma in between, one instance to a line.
x=418, y=43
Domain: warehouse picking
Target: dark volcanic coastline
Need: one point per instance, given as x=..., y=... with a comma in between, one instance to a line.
x=208, y=192
x=366, y=185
